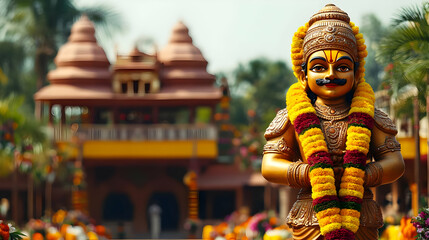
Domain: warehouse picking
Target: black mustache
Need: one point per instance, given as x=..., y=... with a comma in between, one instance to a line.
x=338, y=81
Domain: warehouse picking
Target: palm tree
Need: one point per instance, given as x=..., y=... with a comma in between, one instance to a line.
x=407, y=50
x=373, y=30
x=264, y=82
x=14, y=76
x=44, y=25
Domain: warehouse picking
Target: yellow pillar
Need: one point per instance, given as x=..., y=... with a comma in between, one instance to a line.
x=414, y=199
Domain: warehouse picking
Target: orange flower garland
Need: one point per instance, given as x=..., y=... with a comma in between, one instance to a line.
x=338, y=213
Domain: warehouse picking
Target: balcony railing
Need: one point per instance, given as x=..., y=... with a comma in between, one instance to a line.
x=161, y=132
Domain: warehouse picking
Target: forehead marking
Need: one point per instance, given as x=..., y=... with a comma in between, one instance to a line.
x=331, y=55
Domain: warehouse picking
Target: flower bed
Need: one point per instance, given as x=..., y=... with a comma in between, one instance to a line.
x=8, y=232
x=420, y=224
x=65, y=225
x=239, y=226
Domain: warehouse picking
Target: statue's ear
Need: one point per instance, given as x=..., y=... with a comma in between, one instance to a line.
x=356, y=80
x=303, y=80
x=303, y=76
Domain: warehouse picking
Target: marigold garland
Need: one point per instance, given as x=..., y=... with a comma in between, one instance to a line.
x=338, y=213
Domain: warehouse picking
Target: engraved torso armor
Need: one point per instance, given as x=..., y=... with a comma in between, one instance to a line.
x=334, y=125
x=333, y=121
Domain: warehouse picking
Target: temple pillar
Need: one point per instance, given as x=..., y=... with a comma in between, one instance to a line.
x=267, y=197
x=30, y=197
x=15, y=193
x=63, y=115
x=50, y=114
x=209, y=205
x=274, y=198
x=395, y=196
x=284, y=202
x=155, y=114
x=239, y=198
x=286, y=199
x=192, y=114
x=115, y=115
x=39, y=202
x=38, y=110
x=213, y=108
x=91, y=115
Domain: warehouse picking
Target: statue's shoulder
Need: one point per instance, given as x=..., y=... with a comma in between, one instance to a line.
x=384, y=123
x=279, y=125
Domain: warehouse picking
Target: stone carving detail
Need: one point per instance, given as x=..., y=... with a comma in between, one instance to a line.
x=390, y=145
x=333, y=121
x=278, y=125
x=334, y=112
x=280, y=146
x=384, y=122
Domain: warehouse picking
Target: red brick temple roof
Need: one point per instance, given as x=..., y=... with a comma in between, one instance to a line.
x=184, y=62
x=82, y=67
x=83, y=73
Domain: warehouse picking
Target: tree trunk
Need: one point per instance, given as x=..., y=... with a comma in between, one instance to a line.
x=15, y=190
x=417, y=142
x=43, y=54
x=39, y=202
x=30, y=201
x=427, y=140
x=48, y=197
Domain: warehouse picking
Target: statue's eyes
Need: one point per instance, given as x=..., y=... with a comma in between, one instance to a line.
x=318, y=68
x=343, y=68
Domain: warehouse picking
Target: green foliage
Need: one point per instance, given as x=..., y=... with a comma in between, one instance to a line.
x=264, y=83
x=257, y=92
x=203, y=114
x=373, y=31
x=24, y=126
x=406, y=50
x=17, y=130
x=16, y=78
x=6, y=164
x=37, y=28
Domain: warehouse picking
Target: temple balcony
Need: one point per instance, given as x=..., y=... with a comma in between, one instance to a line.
x=157, y=141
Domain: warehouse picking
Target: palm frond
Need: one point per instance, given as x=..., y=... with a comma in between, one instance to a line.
x=105, y=18
x=415, y=71
x=404, y=42
x=415, y=14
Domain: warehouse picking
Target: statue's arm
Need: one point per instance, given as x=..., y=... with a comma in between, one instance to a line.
x=279, y=163
x=386, y=150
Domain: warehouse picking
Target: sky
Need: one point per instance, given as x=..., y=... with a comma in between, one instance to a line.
x=229, y=32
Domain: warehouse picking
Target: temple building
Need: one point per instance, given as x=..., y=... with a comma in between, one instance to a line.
x=134, y=130
x=137, y=127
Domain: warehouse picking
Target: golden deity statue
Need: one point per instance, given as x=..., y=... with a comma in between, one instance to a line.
x=330, y=141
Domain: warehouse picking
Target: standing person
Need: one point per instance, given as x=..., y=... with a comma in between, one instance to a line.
x=330, y=141
x=155, y=220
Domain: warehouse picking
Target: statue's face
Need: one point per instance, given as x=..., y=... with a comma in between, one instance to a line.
x=330, y=74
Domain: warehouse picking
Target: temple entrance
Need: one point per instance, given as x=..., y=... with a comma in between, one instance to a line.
x=117, y=207
x=170, y=210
